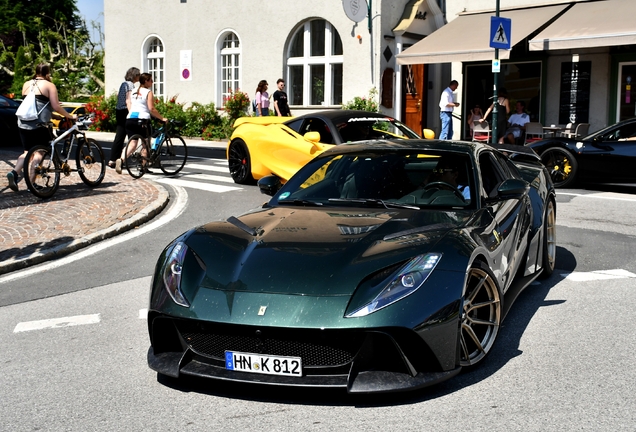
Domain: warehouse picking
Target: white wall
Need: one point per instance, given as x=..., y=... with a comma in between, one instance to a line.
x=264, y=29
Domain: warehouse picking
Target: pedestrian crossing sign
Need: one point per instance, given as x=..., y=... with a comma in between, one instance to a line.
x=500, y=32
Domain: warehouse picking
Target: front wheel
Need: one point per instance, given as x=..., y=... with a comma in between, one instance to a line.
x=549, y=241
x=561, y=165
x=239, y=162
x=481, y=315
x=173, y=155
x=90, y=162
x=137, y=156
x=42, y=172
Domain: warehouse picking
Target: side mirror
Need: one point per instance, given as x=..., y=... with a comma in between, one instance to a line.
x=269, y=185
x=313, y=137
x=512, y=189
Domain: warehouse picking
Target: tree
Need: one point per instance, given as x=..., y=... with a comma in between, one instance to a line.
x=50, y=31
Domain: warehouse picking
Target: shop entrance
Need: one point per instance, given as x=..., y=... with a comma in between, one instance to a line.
x=626, y=96
x=521, y=80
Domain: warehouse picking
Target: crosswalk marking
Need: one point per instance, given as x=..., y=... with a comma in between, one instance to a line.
x=208, y=177
x=56, y=323
x=196, y=185
x=598, y=275
x=191, y=167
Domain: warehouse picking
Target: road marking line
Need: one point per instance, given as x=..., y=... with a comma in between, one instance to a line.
x=56, y=323
x=196, y=185
x=208, y=177
x=207, y=168
x=596, y=196
x=143, y=313
x=598, y=275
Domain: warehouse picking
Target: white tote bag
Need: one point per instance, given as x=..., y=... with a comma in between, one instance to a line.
x=28, y=109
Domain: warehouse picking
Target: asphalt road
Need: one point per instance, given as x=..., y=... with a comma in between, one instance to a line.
x=75, y=360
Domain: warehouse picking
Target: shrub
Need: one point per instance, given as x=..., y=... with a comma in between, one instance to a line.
x=197, y=120
x=104, y=110
x=363, y=103
x=236, y=104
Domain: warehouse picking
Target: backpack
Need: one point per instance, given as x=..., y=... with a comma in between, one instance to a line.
x=28, y=109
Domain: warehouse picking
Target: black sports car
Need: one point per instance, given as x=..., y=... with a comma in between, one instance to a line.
x=260, y=146
x=9, y=136
x=606, y=156
x=380, y=266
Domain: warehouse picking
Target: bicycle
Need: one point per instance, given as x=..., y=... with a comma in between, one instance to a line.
x=43, y=164
x=166, y=150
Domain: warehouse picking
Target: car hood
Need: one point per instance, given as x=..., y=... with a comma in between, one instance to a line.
x=315, y=252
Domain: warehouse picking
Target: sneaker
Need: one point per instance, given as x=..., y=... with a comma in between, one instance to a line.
x=118, y=166
x=13, y=184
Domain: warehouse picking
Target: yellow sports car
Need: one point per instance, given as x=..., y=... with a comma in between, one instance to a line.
x=262, y=146
x=71, y=108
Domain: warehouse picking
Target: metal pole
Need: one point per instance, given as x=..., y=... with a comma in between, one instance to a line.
x=495, y=111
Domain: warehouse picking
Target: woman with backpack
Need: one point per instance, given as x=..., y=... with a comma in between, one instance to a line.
x=31, y=131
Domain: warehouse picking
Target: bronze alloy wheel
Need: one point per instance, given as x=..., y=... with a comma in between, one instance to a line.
x=549, y=241
x=481, y=316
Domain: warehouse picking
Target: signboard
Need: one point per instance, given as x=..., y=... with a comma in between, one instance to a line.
x=356, y=10
x=500, y=32
x=574, y=101
x=496, y=66
x=185, y=57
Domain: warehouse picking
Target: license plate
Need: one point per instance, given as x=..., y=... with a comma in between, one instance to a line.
x=263, y=364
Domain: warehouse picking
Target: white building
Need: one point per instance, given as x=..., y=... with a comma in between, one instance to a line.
x=569, y=60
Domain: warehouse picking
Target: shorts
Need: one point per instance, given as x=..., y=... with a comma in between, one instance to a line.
x=515, y=131
x=133, y=127
x=32, y=137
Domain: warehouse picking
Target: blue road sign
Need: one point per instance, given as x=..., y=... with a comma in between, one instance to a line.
x=500, y=32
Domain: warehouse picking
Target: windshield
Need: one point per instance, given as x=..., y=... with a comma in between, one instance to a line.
x=388, y=179
x=367, y=128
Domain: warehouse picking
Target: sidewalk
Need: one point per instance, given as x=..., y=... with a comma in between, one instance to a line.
x=33, y=230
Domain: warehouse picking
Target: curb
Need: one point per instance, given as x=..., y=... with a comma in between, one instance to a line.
x=146, y=214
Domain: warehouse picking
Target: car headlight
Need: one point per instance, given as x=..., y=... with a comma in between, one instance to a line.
x=171, y=273
x=402, y=284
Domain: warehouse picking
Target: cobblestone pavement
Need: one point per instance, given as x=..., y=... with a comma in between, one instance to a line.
x=33, y=230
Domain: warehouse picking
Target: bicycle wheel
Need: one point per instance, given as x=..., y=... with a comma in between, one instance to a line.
x=137, y=156
x=90, y=162
x=173, y=155
x=42, y=172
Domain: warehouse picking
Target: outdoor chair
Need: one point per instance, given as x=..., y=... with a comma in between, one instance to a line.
x=481, y=131
x=534, y=132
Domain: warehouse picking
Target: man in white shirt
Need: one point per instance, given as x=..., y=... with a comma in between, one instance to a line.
x=517, y=123
x=446, y=106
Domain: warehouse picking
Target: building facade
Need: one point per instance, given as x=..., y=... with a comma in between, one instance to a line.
x=568, y=60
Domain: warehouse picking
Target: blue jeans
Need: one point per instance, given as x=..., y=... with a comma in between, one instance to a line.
x=447, y=125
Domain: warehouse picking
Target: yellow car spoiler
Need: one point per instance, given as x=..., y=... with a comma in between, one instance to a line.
x=260, y=120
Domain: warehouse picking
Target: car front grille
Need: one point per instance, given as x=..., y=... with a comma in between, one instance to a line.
x=315, y=352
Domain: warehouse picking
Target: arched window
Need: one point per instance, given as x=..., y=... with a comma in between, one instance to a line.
x=314, y=65
x=230, y=61
x=155, y=58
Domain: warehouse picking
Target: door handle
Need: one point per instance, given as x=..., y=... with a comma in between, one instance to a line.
x=419, y=105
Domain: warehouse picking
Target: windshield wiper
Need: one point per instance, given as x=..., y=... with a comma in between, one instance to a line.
x=377, y=202
x=300, y=202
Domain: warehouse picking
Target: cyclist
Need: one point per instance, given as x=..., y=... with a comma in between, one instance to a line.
x=30, y=133
x=141, y=106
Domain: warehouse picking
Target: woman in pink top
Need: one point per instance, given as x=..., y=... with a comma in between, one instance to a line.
x=262, y=99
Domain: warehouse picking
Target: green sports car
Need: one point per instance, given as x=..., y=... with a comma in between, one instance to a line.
x=379, y=266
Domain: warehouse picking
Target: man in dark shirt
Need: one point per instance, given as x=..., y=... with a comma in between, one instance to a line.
x=280, y=100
